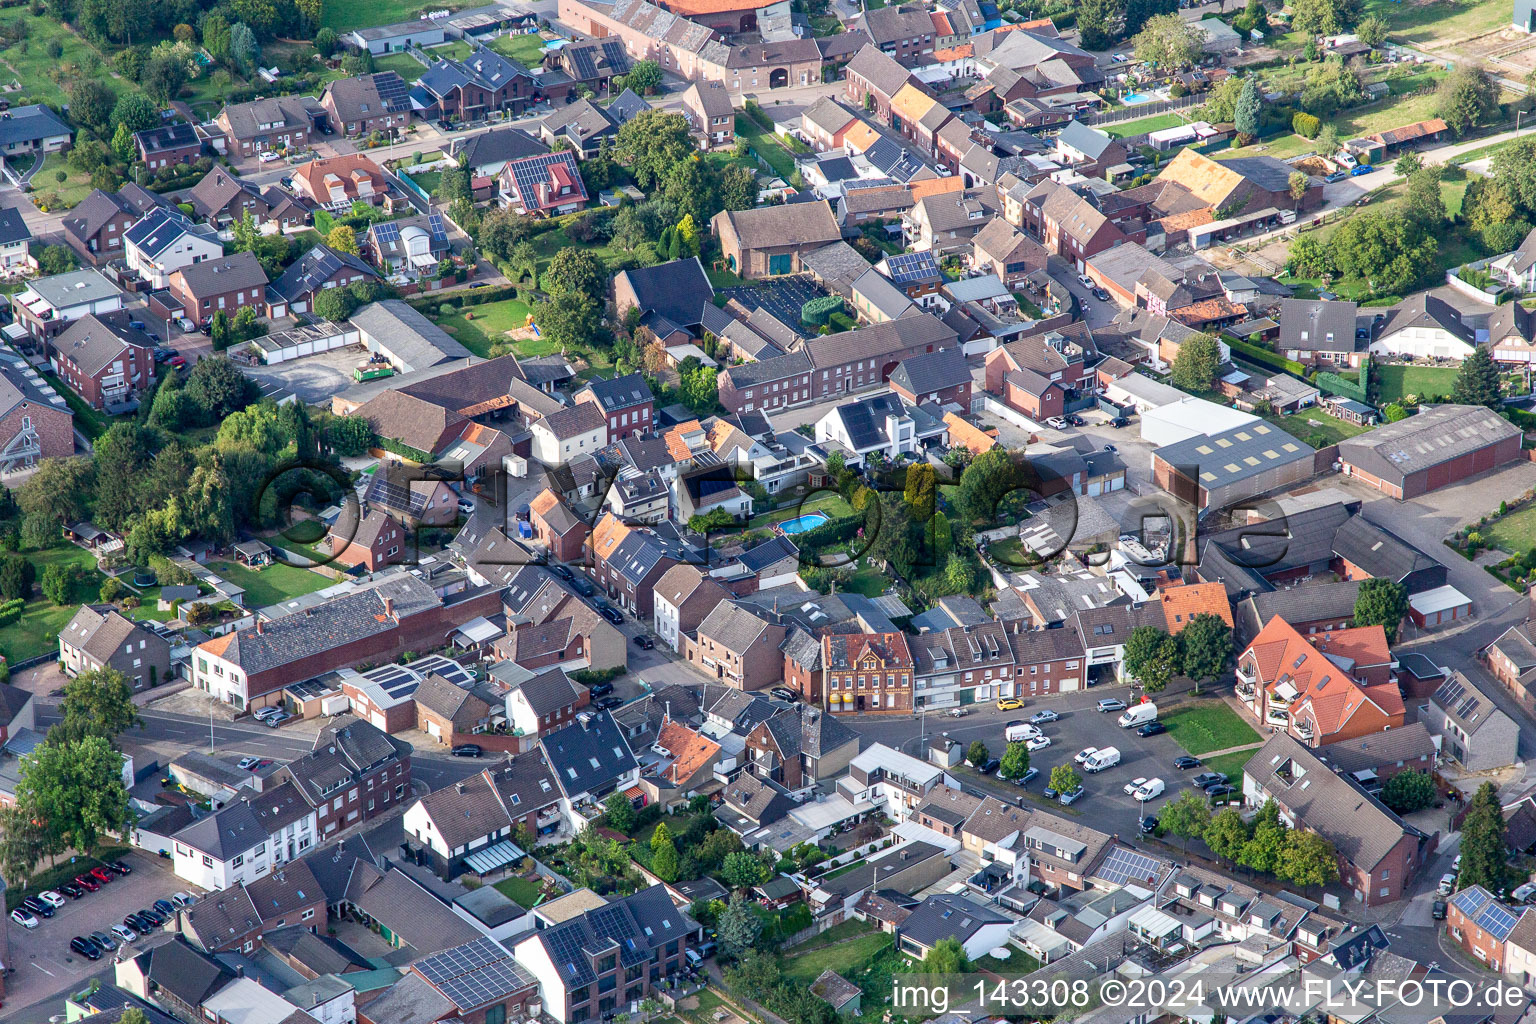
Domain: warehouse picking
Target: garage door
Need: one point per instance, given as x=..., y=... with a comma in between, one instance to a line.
x=434, y=731
x=377, y=719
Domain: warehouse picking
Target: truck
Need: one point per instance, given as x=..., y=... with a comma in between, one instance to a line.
x=1019, y=732
x=1138, y=714
x=1149, y=790
x=1099, y=760
x=334, y=704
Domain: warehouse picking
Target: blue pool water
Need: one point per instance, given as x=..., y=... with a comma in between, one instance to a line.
x=1133, y=98
x=802, y=523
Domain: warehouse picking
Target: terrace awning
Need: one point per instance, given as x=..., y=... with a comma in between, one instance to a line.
x=483, y=862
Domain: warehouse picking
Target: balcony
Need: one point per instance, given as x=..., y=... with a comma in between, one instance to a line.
x=1303, y=729
x=1246, y=677
x=1277, y=717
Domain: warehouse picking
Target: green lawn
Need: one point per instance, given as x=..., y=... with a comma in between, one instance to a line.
x=343, y=15
x=37, y=631
x=1230, y=765
x=403, y=64
x=869, y=581
x=1210, y=726
x=59, y=195
x=829, y=502
x=1515, y=533
x=1398, y=380
x=43, y=76
x=489, y=325
x=519, y=890
x=804, y=968
x=427, y=181
x=525, y=49
x=274, y=584
x=1018, y=963
x=1439, y=23
x=1393, y=112
x=766, y=145
x=499, y=317
x=1312, y=421
x=1281, y=148
x=1142, y=125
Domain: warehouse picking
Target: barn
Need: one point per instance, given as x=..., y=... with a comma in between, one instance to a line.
x=1441, y=446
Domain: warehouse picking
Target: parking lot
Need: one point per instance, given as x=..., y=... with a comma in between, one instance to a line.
x=1104, y=805
x=313, y=378
x=45, y=965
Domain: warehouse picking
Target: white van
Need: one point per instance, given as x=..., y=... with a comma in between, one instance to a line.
x=1108, y=757
x=1149, y=790
x=1138, y=714
x=1019, y=732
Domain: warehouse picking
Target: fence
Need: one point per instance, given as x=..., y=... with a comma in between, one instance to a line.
x=1141, y=110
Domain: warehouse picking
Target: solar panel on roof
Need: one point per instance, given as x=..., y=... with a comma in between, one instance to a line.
x=392, y=90
x=1127, y=865
x=435, y=225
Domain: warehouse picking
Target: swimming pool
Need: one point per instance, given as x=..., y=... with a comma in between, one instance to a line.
x=1130, y=99
x=800, y=524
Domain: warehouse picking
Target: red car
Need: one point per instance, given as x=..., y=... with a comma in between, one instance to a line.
x=87, y=882
x=178, y=363
x=102, y=874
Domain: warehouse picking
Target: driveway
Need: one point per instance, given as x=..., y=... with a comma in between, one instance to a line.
x=45, y=965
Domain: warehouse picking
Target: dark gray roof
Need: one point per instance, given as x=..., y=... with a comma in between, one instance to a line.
x=734, y=626
x=628, y=106
x=475, y=974
x=574, y=420
x=1300, y=604
x=222, y=917
x=932, y=371
x=184, y=972
x=1437, y=435
x=1315, y=325
x=864, y=420
x=769, y=552
x=12, y=227
x=678, y=291
x=159, y=229
x=879, y=70
x=1466, y=705
x=615, y=393
x=413, y=913
x=95, y=340
x=802, y=648
x=1291, y=541
x=948, y=916
x=776, y=368
x=1223, y=459
x=589, y=755
x=1407, y=744
x=1084, y=139
x=1378, y=552
x=30, y=124
x=1423, y=310
x=409, y=1001
x=549, y=692
x=238, y=272
x=633, y=927
x=309, y=272
x=499, y=145
x=760, y=801
x=409, y=334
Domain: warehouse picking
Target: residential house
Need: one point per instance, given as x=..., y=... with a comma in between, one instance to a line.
x=583, y=125
x=881, y=425
x=942, y=378
x=449, y=713
x=978, y=928
x=99, y=636
x=573, y=431
x=591, y=62
x=628, y=563
x=164, y=242
x=174, y=976
x=1089, y=151
x=35, y=422
x=1424, y=326
x=480, y=812
x=770, y=240
x=1380, y=855
x=626, y=401
x=318, y=269
x=707, y=105
x=1470, y=726
x=905, y=34
x=33, y=129
x=15, y=244
x=486, y=153
x=337, y=182
x=826, y=123
x=1482, y=925
x=354, y=772
x=1315, y=331
x=281, y=123
x=799, y=746
x=221, y=197
x=562, y=532
x=947, y=221
x=590, y=760
x=880, y=660
x=398, y=37
x=1512, y=660
x=671, y=298
x=544, y=703
x=542, y=185
x=103, y=359
x=95, y=227
x=1002, y=249
x=481, y=84
x=872, y=79
x=683, y=596
x=364, y=104
x=224, y=283
x=738, y=645
x=245, y=839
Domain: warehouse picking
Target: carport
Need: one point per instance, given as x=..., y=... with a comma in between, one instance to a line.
x=307, y=340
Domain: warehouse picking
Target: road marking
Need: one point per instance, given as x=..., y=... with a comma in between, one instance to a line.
x=44, y=969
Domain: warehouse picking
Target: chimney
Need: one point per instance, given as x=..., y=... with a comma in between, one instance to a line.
x=261, y=626
x=459, y=788
x=389, y=607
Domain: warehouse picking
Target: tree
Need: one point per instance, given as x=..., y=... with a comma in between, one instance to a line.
x=326, y=42
x=58, y=491
x=1310, y=257
x=652, y=143
x=689, y=188
x=1307, y=860
x=1298, y=182
x=1306, y=125
x=1328, y=140
x=959, y=576
x=1205, y=647
x=334, y=304
x=90, y=104
x=16, y=577
x=1015, y=761
x=1226, y=835
x=1143, y=644
x=946, y=956
x=1423, y=202
x=1187, y=817
x=1514, y=170
x=575, y=272
x=1064, y=778
x=77, y=788
x=1324, y=17
x=219, y=388
x=741, y=870
x=1409, y=791
x=620, y=813
x=644, y=77
x=738, y=187
x=664, y=861
x=1381, y=602
x=1394, y=412
x=1467, y=96
x=1477, y=383
x=1372, y=30
x=97, y=702
x=1248, y=114
x=57, y=582
x=135, y=110
x=568, y=320
x=1265, y=847
x=1096, y=23
x=1168, y=42
x=738, y=927
x=1483, y=842
x=342, y=238
x=164, y=75
x=920, y=491
x=1194, y=368
x=25, y=839
x=1407, y=164
x=244, y=51
x=310, y=12
x=1392, y=254
x=55, y=259
x=977, y=754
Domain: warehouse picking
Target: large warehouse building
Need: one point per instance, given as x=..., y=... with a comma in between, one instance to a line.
x=1240, y=463
x=1441, y=446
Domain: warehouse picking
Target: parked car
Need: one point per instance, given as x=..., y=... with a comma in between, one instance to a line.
x=152, y=916
x=177, y=362
x=1071, y=796
x=1186, y=762
x=1112, y=704
x=784, y=693
x=165, y=908
x=1134, y=785
x=1085, y=280
x=466, y=507
x=1085, y=754
x=1336, y=176
x=102, y=874
x=37, y=906
x=1027, y=777
x=124, y=934
x=88, y=882
x=582, y=587
x=72, y=890
x=1049, y=793
x=262, y=714
x=52, y=898
x=1148, y=824
x=106, y=942
x=1524, y=893
x=645, y=642
x=247, y=763
x=1056, y=423
x=1009, y=704
x=1152, y=729
x=600, y=689
x=85, y=947
x=1101, y=294
x=955, y=713
x=1437, y=910
x=24, y=918
x=1042, y=717
x=133, y=924
x=608, y=703
x=989, y=766
x=1220, y=792
x=561, y=571
x=467, y=750
x=278, y=719
x=1110, y=448
x=1362, y=169
x=1447, y=884
x=184, y=899
x=1119, y=421
x=1207, y=779
x=1037, y=743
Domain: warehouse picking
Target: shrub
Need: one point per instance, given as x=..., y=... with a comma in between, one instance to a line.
x=1306, y=125
x=819, y=310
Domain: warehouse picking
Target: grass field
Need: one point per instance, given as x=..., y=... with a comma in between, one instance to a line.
x=525, y=49
x=1438, y=23
x=272, y=585
x=766, y=145
x=1141, y=126
x=343, y=15
x=519, y=890
x=60, y=195
x=489, y=324
x=37, y=631
x=1230, y=765
x=43, y=76
x=829, y=502
x=804, y=968
x=427, y=181
x=1018, y=963
x=403, y=64
x=1515, y=533
x=1281, y=148
x=1399, y=380
x=1212, y=726
x=1312, y=421
x=1393, y=112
